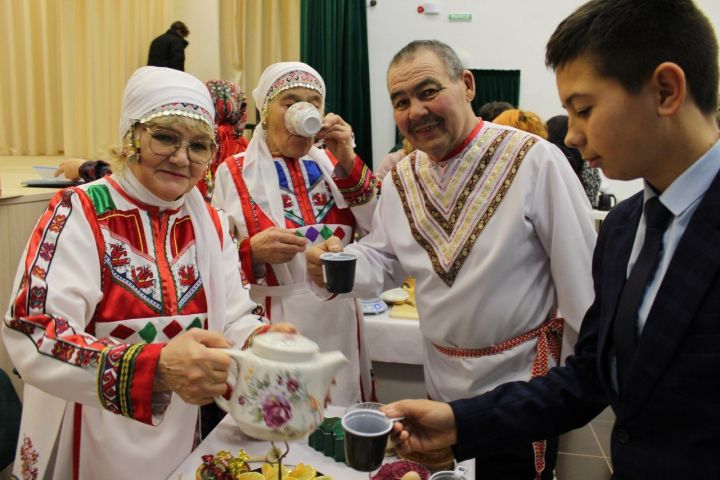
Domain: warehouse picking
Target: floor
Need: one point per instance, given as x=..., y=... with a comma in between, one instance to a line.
x=584, y=454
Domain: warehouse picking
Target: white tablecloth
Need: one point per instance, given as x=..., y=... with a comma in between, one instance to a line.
x=227, y=436
x=393, y=340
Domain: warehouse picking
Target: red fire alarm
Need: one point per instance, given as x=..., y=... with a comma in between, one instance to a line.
x=420, y=9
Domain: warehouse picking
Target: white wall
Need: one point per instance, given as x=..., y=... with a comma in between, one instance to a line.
x=503, y=34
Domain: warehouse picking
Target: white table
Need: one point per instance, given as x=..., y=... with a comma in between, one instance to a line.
x=227, y=436
x=393, y=340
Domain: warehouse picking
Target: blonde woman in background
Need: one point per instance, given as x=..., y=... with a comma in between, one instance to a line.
x=522, y=120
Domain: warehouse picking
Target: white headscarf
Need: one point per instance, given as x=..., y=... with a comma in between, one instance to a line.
x=153, y=92
x=258, y=168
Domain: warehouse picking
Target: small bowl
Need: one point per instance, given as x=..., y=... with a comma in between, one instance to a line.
x=48, y=173
x=396, y=295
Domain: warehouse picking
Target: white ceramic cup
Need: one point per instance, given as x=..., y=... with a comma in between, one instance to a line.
x=302, y=118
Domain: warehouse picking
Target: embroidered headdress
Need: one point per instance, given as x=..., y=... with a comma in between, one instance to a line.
x=153, y=92
x=282, y=76
x=229, y=102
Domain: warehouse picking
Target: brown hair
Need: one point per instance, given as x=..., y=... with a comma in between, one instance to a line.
x=627, y=40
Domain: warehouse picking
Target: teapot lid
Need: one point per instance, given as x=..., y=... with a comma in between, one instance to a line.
x=284, y=347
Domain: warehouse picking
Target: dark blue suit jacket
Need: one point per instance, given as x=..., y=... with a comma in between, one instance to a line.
x=668, y=419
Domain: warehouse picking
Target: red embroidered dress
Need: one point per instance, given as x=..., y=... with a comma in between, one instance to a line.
x=309, y=207
x=110, y=275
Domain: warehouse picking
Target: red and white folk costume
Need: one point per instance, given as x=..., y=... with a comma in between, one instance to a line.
x=258, y=191
x=110, y=274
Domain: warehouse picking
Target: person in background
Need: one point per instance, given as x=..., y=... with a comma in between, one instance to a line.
x=283, y=195
x=522, y=120
x=389, y=161
x=557, y=128
x=494, y=227
x=639, y=81
x=128, y=288
x=168, y=49
x=490, y=110
x=82, y=169
x=230, y=119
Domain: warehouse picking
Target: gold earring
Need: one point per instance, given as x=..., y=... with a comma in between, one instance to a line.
x=131, y=147
x=263, y=116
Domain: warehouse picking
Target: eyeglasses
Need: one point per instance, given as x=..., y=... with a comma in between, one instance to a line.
x=166, y=143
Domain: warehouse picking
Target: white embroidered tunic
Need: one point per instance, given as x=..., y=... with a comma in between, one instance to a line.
x=111, y=274
x=309, y=208
x=496, y=237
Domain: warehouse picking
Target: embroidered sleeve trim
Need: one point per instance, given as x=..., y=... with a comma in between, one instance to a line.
x=32, y=293
x=359, y=186
x=144, y=402
x=120, y=389
x=54, y=337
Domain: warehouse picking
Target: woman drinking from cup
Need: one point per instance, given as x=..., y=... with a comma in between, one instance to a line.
x=128, y=285
x=283, y=194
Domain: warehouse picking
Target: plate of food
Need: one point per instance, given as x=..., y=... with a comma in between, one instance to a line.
x=396, y=295
x=403, y=470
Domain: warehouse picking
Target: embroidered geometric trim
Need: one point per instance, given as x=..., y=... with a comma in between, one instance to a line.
x=448, y=213
x=181, y=109
x=122, y=279
x=293, y=79
x=115, y=374
x=363, y=191
x=314, y=231
x=37, y=285
x=53, y=336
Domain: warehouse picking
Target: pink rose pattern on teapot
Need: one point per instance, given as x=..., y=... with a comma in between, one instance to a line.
x=272, y=400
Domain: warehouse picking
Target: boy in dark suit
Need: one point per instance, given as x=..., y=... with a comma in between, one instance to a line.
x=639, y=80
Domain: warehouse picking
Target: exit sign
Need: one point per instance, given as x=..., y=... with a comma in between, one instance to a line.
x=460, y=17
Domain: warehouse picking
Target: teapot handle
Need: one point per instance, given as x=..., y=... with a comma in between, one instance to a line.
x=233, y=372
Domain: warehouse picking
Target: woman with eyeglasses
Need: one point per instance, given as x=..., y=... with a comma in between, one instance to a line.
x=128, y=287
x=284, y=194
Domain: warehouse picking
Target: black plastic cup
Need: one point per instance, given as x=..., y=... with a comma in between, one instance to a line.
x=366, y=435
x=339, y=271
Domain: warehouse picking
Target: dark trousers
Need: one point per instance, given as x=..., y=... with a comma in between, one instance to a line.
x=210, y=416
x=515, y=462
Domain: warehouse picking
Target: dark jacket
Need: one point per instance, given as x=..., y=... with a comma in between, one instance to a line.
x=668, y=418
x=168, y=50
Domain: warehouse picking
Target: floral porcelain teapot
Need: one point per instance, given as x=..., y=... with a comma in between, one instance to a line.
x=279, y=386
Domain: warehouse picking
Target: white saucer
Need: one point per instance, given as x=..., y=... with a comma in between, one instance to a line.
x=396, y=295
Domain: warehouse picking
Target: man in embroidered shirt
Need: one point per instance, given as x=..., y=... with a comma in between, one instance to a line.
x=495, y=228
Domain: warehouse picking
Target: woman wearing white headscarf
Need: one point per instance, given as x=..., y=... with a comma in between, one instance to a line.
x=283, y=194
x=126, y=284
